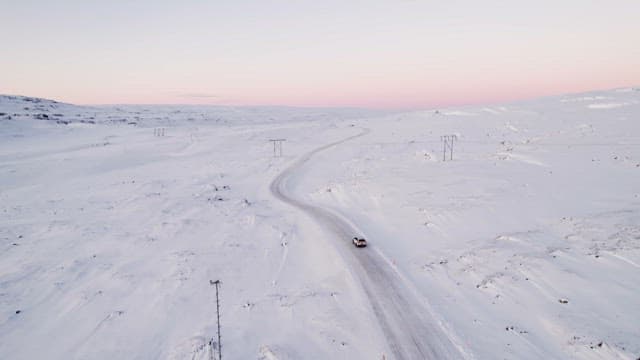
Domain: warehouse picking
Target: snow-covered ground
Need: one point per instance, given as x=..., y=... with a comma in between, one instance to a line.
x=525, y=246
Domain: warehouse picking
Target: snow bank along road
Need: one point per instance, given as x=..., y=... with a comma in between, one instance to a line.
x=410, y=329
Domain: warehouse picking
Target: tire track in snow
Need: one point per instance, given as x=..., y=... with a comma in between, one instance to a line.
x=410, y=329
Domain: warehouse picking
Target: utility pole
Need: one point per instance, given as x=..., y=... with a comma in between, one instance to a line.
x=277, y=146
x=448, y=141
x=217, y=283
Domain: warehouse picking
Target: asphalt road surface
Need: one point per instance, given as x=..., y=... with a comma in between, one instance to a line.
x=409, y=328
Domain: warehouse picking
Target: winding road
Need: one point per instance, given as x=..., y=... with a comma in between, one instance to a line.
x=409, y=328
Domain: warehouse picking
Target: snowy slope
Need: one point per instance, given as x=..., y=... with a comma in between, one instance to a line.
x=111, y=234
x=526, y=245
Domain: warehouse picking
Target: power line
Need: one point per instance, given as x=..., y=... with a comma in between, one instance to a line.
x=480, y=142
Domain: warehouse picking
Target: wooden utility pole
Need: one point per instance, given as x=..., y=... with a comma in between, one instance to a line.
x=448, y=145
x=277, y=146
x=217, y=283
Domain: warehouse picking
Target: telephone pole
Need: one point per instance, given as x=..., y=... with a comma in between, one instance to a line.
x=217, y=283
x=448, y=145
x=277, y=146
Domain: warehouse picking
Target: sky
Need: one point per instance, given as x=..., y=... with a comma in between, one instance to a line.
x=398, y=54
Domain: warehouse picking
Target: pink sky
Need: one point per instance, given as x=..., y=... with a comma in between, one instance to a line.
x=387, y=54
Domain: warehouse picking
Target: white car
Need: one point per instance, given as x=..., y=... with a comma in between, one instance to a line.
x=359, y=242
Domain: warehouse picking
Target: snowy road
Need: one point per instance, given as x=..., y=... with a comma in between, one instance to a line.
x=410, y=329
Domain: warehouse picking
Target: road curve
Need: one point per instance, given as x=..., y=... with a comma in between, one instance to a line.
x=409, y=328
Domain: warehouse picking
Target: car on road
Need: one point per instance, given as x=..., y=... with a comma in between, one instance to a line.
x=359, y=242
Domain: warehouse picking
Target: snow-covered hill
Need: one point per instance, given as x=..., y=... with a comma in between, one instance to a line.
x=525, y=246
x=528, y=243
x=26, y=108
